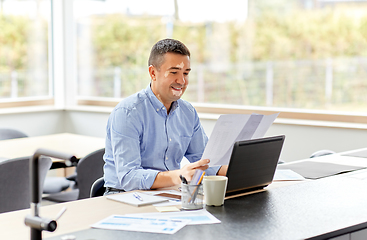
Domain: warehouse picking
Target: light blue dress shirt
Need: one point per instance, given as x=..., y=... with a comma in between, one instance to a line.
x=143, y=140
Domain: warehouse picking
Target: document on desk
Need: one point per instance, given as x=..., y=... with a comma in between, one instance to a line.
x=173, y=197
x=141, y=224
x=361, y=154
x=287, y=175
x=231, y=128
x=315, y=170
x=137, y=199
x=196, y=217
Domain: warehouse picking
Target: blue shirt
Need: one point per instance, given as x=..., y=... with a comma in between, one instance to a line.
x=143, y=140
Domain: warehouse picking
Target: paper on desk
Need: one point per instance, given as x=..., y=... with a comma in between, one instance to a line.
x=231, y=128
x=287, y=175
x=196, y=217
x=141, y=224
x=129, y=198
x=315, y=169
x=171, y=201
x=361, y=154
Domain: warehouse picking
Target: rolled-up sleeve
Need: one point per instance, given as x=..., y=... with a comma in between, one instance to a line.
x=125, y=139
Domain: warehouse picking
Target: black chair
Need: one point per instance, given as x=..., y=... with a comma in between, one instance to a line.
x=9, y=133
x=97, y=188
x=15, y=191
x=52, y=184
x=89, y=169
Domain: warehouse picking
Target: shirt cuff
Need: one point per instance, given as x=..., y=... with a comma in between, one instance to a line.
x=212, y=170
x=148, y=179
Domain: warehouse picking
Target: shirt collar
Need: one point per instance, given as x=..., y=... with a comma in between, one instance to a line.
x=158, y=105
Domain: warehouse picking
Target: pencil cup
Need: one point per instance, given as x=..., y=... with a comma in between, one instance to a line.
x=192, y=196
x=214, y=190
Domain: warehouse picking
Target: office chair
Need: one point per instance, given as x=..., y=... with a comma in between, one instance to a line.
x=15, y=185
x=89, y=169
x=56, y=184
x=52, y=184
x=321, y=153
x=97, y=188
x=9, y=133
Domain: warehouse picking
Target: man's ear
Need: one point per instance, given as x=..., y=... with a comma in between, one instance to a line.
x=152, y=72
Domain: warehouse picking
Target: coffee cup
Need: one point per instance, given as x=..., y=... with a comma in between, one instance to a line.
x=214, y=190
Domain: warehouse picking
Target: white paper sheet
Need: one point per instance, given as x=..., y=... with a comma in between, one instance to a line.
x=141, y=224
x=196, y=217
x=129, y=198
x=287, y=175
x=231, y=128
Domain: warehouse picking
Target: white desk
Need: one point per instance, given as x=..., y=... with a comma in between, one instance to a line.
x=75, y=144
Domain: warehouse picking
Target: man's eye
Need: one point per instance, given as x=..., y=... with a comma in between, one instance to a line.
x=186, y=74
x=173, y=72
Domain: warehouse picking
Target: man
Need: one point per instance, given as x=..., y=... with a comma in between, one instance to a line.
x=150, y=132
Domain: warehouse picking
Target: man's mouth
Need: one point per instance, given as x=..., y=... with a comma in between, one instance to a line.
x=177, y=88
x=177, y=91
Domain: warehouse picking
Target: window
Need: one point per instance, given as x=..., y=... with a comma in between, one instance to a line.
x=304, y=55
x=288, y=54
x=25, y=71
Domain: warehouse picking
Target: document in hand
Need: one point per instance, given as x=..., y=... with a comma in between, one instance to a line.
x=231, y=128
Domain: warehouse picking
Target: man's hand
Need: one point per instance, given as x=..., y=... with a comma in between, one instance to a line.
x=171, y=178
x=189, y=169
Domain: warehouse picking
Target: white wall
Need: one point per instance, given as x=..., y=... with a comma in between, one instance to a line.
x=91, y=123
x=34, y=123
x=301, y=140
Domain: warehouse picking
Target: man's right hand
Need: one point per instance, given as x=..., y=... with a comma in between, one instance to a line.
x=171, y=178
x=189, y=169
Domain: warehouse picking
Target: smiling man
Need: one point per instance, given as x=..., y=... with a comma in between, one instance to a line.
x=150, y=132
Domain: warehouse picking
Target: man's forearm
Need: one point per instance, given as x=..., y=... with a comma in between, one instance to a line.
x=166, y=179
x=222, y=170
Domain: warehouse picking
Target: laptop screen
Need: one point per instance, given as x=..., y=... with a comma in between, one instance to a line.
x=253, y=163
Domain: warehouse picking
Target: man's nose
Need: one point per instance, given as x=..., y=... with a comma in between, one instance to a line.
x=181, y=79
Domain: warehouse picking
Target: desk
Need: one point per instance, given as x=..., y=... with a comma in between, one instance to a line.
x=78, y=145
x=317, y=209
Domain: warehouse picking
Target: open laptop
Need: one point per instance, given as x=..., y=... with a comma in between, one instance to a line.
x=253, y=164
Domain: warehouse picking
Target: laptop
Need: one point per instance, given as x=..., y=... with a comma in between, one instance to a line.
x=253, y=164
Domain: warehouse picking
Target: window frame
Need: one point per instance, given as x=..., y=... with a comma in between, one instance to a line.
x=284, y=113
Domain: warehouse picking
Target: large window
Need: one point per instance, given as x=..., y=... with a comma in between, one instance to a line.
x=292, y=54
x=289, y=54
x=25, y=71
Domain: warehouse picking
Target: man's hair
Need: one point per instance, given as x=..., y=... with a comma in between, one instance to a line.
x=164, y=46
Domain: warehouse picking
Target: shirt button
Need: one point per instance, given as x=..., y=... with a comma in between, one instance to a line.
x=157, y=109
x=170, y=139
x=166, y=158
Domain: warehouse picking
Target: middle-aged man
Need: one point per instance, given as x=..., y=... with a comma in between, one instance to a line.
x=150, y=132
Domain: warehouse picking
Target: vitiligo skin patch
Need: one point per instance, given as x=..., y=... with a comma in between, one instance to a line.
x=176, y=92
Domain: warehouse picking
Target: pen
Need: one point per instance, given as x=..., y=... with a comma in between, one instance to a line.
x=183, y=179
x=137, y=196
x=193, y=197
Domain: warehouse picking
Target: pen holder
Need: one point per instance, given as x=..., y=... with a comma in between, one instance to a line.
x=192, y=196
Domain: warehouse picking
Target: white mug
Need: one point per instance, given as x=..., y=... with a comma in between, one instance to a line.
x=214, y=190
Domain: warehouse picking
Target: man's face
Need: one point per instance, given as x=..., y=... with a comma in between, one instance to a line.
x=171, y=80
